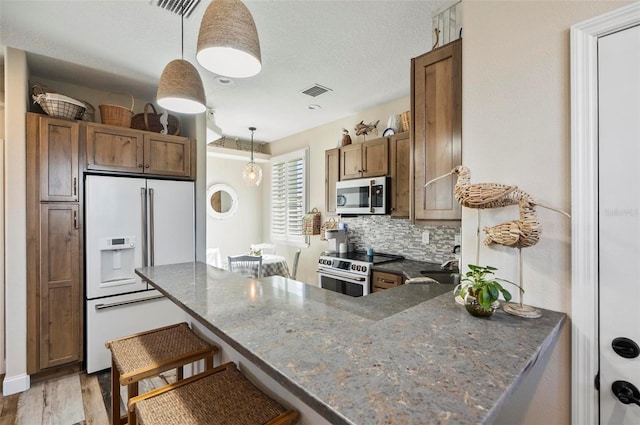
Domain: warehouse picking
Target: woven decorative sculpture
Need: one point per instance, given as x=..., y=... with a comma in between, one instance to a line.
x=521, y=233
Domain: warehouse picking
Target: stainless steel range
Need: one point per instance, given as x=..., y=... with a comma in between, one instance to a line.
x=350, y=273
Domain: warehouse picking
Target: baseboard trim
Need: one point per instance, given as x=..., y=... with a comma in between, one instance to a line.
x=15, y=384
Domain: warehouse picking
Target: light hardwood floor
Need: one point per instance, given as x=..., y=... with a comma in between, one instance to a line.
x=68, y=400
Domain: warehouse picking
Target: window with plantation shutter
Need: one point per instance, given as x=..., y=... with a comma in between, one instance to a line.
x=289, y=181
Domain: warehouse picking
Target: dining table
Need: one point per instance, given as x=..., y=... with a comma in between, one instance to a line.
x=272, y=265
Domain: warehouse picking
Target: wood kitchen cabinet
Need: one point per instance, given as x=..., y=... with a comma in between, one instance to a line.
x=383, y=280
x=367, y=159
x=60, y=297
x=54, y=244
x=400, y=162
x=58, y=159
x=126, y=150
x=436, y=110
x=331, y=177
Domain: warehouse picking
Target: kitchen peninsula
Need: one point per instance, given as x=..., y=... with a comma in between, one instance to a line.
x=405, y=355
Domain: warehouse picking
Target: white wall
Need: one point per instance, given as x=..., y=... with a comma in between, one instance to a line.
x=235, y=234
x=16, y=91
x=516, y=128
x=2, y=286
x=318, y=140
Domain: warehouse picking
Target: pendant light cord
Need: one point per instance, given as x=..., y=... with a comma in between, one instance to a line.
x=182, y=32
x=252, y=129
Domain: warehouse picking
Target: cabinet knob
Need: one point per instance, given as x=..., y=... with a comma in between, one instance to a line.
x=146, y=165
x=139, y=165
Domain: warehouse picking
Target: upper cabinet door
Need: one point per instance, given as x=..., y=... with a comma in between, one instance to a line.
x=400, y=159
x=436, y=82
x=114, y=149
x=167, y=155
x=58, y=151
x=331, y=176
x=351, y=161
x=375, y=158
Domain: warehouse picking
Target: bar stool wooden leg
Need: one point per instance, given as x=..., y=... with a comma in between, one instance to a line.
x=209, y=363
x=115, y=394
x=133, y=391
x=180, y=373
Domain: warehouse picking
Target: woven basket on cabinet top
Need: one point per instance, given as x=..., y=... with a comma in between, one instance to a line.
x=151, y=121
x=116, y=115
x=58, y=105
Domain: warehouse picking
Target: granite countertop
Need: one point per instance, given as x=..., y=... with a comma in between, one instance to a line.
x=407, y=355
x=408, y=268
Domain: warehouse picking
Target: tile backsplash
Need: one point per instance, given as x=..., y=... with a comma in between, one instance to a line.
x=399, y=236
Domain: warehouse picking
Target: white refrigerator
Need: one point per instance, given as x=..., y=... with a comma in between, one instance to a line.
x=130, y=223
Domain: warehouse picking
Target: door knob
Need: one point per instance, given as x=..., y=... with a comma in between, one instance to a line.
x=626, y=392
x=625, y=347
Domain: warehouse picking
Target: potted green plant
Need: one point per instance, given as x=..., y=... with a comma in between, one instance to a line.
x=480, y=290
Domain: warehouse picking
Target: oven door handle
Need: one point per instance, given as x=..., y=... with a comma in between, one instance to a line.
x=342, y=276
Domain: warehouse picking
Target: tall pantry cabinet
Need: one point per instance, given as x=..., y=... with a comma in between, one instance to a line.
x=54, y=251
x=436, y=107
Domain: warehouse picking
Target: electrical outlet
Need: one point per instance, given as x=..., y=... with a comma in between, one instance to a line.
x=425, y=237
x=456, y=239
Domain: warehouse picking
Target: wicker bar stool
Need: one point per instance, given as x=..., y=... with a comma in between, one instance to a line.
x=147, y=354
x=221, y=395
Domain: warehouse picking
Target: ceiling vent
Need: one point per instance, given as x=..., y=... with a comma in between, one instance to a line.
x=316, y=90
x=177, y=6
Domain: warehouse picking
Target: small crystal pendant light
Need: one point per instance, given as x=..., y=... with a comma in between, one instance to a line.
x=252, y=173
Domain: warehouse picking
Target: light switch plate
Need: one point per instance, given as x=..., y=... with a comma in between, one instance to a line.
x=425, y=237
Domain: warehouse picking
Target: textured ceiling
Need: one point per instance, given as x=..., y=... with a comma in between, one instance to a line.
x=361, y=50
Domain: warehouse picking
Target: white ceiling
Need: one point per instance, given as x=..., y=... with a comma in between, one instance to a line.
x=359, y=49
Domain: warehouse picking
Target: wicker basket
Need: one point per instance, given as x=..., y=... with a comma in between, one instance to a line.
x=151, y=121
x=311, y=223
x=116, y=115
x=328, y=225
x=58, y=105
x=405, y=118
x=89, y=112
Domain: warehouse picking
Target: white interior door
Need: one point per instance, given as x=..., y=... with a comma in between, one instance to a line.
x=619, y=224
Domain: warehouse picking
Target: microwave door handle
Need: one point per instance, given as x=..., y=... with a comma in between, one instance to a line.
x=371, y=196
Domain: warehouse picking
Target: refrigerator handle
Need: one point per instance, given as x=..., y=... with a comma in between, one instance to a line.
x=143, y=201
x=151, y=229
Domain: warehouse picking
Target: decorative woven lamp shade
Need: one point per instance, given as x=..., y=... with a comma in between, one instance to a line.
x=228, y=41
x=180, y=88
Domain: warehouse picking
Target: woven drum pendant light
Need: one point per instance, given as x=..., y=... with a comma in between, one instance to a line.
x=180, y=88
x=228, y=41
x=252, y=173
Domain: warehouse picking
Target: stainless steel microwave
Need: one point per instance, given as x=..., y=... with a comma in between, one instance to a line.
x=363, y=196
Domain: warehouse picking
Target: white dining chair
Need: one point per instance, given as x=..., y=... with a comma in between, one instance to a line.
x=265, y=248
x=294, y=267
x=213, y=257
x=246, y=265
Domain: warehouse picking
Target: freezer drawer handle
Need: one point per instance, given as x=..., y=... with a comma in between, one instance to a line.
x=141, y=300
